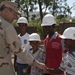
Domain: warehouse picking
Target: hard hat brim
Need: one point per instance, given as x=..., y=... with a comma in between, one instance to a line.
x=63, y=37
x=34, y=40
x=47, y=24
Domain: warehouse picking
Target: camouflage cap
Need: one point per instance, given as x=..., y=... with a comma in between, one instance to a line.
x=12, y=5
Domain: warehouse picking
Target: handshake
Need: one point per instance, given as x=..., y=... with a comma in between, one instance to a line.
x=44, y=68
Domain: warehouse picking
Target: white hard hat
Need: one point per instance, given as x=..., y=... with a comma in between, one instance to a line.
x=22, y=20
x=34, y=37
x=48, y=20
x=69, y=33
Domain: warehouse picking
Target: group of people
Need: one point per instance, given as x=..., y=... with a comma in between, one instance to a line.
x=30, y=58
x=9, y=41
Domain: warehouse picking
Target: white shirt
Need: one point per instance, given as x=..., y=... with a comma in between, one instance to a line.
x=25, y=43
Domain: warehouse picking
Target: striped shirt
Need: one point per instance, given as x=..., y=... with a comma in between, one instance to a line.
x=68, y=62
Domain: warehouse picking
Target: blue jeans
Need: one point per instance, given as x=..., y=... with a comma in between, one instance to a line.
x=20, y=68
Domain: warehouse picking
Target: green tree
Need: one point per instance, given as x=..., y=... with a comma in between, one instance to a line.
x=56, y=7
x=26, y=6
x=40, y=9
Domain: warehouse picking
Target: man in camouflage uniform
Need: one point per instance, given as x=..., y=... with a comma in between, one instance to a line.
x=10, y=42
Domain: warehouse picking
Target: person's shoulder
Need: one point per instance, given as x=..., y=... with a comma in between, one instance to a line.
x=58, y=35
x=4, y=22
x=10, y=27
x=27, y=34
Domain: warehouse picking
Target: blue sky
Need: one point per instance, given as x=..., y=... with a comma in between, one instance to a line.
x=70, y=3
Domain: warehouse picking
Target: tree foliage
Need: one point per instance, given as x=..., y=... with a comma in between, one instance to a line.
x=56, y=7
x=59, y=8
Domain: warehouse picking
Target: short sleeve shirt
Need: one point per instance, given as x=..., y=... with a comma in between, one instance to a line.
x=68, y=62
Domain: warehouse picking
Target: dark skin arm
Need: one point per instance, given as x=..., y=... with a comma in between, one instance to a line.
x=56, y=71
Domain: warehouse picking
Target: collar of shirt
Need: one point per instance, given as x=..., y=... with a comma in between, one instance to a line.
x=53, y=36
x=23, y=35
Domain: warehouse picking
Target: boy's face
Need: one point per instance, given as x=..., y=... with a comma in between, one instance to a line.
x=34, y=44
x=49, y=29
x=22, y=27
x=69, y=43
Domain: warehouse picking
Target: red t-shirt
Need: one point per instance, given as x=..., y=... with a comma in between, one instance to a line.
x=53, y=52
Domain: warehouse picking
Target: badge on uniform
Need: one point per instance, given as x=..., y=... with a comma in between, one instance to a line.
x=25, y=41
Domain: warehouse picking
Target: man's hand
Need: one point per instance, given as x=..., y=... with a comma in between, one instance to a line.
x=43, y=67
